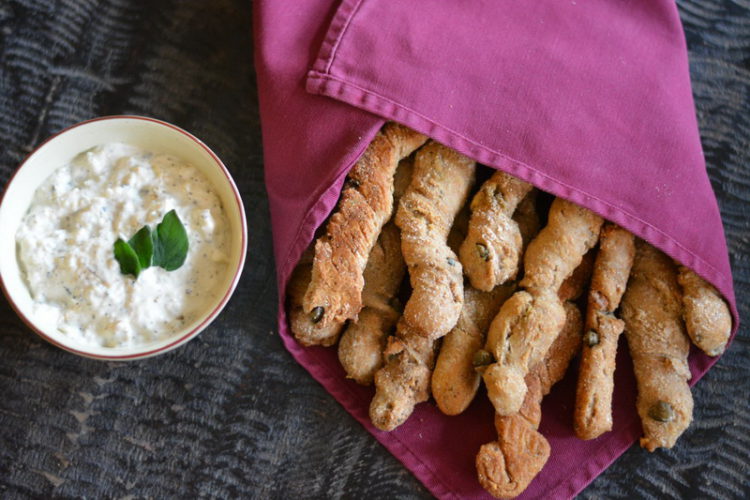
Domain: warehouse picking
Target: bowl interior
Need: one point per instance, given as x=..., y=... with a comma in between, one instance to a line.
x=150, y=135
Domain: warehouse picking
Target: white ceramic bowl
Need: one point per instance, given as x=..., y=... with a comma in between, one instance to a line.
x=146, y=133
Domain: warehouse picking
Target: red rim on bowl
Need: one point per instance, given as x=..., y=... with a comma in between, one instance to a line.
x=214, y=312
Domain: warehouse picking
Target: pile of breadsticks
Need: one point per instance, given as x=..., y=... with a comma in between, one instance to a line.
x=493, y=294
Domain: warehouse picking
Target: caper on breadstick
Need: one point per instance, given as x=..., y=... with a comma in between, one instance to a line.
x=492, y=248
x=506, y=467
x=659, y=347
x=305, y=329
x=528, y=322
x=454, y=380
x=335, y=291
x=706, y=315
x=439, y=186
x=593, y=410
x=361, y=346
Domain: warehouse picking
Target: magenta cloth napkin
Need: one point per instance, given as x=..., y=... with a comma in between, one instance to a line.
x=590, y=101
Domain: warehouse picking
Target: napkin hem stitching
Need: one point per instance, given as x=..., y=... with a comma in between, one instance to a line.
x=322, y=89
x=340, y=35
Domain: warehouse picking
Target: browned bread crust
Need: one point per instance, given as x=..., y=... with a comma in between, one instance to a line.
x=659, y=346
x=439, y=187
x=366, y=204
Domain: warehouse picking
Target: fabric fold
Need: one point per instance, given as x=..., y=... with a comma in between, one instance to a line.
x=590, y=101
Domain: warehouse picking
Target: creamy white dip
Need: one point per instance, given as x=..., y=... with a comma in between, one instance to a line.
x=65, y=246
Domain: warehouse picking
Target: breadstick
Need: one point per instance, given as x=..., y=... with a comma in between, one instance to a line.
x=506, y=467
x=305, y=330
x=491, y=250
x=571, y=231
x=455, y=381
x=659, y=347
x=593, y=410
x=362, y=343
x=366, y=204
x=440, y=184
x=518, y=338
x=551, y=370
x=404, y=380
x=528, y=322
x=706, y=315
x=409, y=359
x=361, y=346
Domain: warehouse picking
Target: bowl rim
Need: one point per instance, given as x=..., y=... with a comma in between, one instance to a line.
x=193, y=332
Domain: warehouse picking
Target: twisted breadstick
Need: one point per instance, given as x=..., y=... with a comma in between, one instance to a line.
x=455, y=381
x=335, y=291
x=707, y=317
x=659, y=347
x=409, y=358
x=491, y=250
x=404, y=379
x=440, y=184
x=528, y=322
x=361, y=346
x=362, y=343
x=593, y=411
x=571, y=231
x=506, y=467
x=518, y=338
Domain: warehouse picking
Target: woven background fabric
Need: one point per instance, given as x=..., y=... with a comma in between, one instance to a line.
x=231, y=414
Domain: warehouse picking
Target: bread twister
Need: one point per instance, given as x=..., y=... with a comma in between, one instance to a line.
x=362, y=343
x=593, y=410
x=361, y=346
x=659, y=347
x=706, y=315
x=506, y=467
x=492, y=248
x=335, y=291
x=440, y=184
x=531, y=319
x=404, y=380
x=455, y=380
x=409, y=359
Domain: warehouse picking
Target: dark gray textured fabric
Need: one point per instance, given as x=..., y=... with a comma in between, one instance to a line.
x=231, y=414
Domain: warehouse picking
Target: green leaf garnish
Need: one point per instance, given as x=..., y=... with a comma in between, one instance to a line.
x=170, y=242
x=127, y=258
x=143, y=246
x=165, y=247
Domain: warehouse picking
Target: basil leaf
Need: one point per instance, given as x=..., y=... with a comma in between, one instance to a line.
x=143, y=246
x=170, y=242
x=127, y=258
